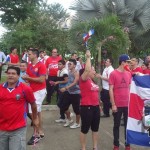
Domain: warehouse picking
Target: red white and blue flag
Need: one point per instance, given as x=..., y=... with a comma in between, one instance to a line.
x=140, y=93
x=87, y=36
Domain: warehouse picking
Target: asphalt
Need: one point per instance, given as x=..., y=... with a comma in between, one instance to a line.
x=58, y=137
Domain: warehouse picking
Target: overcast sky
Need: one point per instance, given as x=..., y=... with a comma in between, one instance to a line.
x=64, y=3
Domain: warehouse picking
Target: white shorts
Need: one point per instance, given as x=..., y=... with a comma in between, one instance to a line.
x=39, y=97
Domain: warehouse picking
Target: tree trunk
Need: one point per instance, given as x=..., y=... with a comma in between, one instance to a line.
x=98, y=47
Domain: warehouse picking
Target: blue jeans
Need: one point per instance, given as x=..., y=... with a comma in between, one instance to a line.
x=13, y=140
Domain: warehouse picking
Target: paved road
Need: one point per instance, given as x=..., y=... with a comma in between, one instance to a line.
x=58, y=137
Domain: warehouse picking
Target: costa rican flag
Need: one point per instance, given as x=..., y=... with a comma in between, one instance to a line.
x=86, y=36
x=140, y=94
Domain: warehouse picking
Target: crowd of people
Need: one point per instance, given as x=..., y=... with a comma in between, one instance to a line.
x=37, y=76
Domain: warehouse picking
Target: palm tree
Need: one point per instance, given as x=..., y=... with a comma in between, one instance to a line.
x=108, y=34
x=133, y=14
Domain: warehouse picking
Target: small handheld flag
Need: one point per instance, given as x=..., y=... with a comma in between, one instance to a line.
x=87, y=36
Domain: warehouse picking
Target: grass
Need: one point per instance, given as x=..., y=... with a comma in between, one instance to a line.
x=3, y=79
x=53, y=100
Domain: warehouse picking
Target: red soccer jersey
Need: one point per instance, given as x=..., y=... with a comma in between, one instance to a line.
x=146, y=71
x=89, y=93
x=13, y=58
x=52, y=65
x=13, y=106
x=138, y=69
x=35, y=71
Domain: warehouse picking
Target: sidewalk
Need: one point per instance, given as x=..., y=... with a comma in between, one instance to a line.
x=58, y=137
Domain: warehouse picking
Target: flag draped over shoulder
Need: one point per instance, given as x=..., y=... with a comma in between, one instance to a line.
x=140, y=92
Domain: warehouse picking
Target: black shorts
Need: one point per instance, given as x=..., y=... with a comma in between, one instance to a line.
x=73, y=99
x=90, y=117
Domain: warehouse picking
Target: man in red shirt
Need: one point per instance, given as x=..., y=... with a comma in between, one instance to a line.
x=52, y=68
x=147, y=59
x=13, y=58
x=14, y=97
x=36, y=74
x=119, y=90
x=134, y=66
x=146, y=68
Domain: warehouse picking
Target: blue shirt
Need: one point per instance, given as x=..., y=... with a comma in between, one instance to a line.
x=22, y=74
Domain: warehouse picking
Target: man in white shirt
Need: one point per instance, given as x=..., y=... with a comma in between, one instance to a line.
x=25, y=56
x=2, y=61
x=45, y=56
x=105, y=87
x=78, y=65
x=41, y=57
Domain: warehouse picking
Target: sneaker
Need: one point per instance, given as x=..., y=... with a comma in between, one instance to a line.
x=116, y=148
x=42, y=136
x=75, y=125
x=33, y=140
x=60, y=120
x=68, y=122
x=127, y=148
x=72, y=114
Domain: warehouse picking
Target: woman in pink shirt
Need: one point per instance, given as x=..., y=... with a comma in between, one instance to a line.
x=90, y=111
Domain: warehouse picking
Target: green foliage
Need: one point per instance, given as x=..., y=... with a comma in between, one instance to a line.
x=40, y=30
x=133, y=14
x=108, y=29
x=141, y=54
x=3, y=79
x=16, y=10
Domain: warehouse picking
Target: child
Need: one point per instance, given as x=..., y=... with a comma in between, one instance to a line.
x=62, y=75
x=23, y=68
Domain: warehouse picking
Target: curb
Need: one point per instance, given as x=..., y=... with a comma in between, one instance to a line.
x=49, y=107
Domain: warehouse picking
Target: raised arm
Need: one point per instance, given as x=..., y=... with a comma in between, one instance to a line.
x=87, y=66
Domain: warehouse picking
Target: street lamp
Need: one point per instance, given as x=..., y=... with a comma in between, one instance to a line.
x=113, y=4
x=65, y=26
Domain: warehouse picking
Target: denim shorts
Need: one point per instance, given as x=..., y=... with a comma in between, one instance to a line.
x=13, y=140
